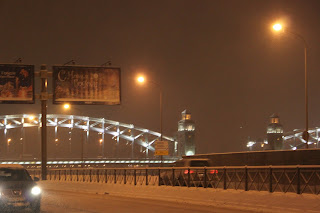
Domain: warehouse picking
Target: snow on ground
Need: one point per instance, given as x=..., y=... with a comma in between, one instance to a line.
x=238, y=199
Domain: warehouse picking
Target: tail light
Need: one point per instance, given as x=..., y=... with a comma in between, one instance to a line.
x=213, y=171
x=186, y=172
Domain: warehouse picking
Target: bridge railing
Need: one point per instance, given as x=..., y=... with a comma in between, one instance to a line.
x=296, y=179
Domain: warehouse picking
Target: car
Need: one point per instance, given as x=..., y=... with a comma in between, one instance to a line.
x=187, y=172
x=193, y=162
x=17, y=189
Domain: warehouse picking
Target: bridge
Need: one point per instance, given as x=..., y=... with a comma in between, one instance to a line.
x=77, y=138
x=293, y=139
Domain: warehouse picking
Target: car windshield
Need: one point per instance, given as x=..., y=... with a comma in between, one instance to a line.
x=199, y=163
x=7, y=174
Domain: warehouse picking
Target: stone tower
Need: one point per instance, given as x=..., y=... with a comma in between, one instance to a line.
x=186, y=135
x=275, y=133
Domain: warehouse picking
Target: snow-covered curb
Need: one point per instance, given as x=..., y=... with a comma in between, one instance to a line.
x=237, y=199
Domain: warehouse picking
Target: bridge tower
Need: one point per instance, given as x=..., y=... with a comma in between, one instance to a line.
x=275, y=133
x=186, y=135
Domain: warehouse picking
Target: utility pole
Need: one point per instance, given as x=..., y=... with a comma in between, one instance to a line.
x=44, y=97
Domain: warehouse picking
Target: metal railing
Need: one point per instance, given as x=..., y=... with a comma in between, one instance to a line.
x=296, y=179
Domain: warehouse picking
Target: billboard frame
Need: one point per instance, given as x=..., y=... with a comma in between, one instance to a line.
x=84, y=102
x=32, y=76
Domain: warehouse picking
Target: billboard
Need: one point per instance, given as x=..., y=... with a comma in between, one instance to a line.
x=86, y=85
x=16, y=84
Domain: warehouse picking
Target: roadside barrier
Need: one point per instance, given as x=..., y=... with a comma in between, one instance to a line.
x=296, y=179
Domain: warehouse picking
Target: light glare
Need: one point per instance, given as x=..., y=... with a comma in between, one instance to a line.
x=277, y=27
x=66, y=106
x=36, y=190
x=141, y=79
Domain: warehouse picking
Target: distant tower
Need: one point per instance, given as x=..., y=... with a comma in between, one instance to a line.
x=275, y=133
x=186, y=135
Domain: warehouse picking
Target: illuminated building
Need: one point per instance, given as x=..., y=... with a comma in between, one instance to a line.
x=275, y=133
x=186, y=134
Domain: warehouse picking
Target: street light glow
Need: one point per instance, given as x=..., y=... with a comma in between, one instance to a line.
x=140, y=79
x=31, y=117
x=277, y=27
x=66, y=106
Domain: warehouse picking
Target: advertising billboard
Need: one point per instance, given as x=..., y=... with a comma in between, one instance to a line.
x=86, y=85
x=16, y=84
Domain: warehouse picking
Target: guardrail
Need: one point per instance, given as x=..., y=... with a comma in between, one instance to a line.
x=296, y=179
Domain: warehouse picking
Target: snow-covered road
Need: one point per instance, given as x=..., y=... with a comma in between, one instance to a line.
x=62, y=201
x=61, y=196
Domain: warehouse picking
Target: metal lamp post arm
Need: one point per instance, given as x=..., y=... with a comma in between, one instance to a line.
x=306, y=47
x=297, y=35
x=160, y=90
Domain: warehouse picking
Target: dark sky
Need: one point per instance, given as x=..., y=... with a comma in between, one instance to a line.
x=218, y=59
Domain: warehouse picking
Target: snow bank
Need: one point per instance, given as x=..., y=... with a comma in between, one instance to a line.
x=237, y=199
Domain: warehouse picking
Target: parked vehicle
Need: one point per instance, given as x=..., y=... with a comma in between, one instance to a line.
x=187, y=172
x=17, y=189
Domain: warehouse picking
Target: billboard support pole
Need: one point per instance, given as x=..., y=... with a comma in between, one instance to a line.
x=44, y=98
x=161, y=157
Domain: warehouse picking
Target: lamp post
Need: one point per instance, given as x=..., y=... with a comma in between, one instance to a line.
x=278, y=27
x=141, y=80
x=8, y=145
x=100, y=146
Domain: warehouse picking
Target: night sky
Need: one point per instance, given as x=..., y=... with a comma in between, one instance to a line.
x=218, y=59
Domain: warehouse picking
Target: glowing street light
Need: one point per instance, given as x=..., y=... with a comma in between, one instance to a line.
x=278, y=27
x=66, y=106
x=140, y=79
x=8, y=145
x=31, y=117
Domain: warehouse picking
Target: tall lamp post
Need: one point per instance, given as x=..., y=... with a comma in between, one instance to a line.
x=278, y=27
x=142, y=80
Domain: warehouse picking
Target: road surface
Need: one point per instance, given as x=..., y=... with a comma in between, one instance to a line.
x=61, y=201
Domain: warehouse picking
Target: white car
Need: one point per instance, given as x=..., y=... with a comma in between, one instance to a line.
x=17, y=189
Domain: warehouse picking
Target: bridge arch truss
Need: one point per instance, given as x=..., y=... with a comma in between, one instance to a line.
x=293, y=139
x=142, y=137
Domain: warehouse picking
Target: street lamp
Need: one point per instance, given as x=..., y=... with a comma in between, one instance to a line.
x=66, y=106
x=8, y=144
x=278, y=27
x=101, y=143
x=141, y=80
x=31, y=117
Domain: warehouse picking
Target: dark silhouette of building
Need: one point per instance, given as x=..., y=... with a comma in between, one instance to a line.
x=186, y=134
x=275, y=133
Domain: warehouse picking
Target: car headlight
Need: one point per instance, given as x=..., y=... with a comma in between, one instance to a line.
x=35, y=190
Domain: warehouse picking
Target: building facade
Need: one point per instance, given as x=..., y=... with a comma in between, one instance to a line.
x=186, y=134
x=275, y=133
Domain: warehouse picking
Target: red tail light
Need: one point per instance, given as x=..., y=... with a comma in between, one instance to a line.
x=213, y=171
x=186, y=172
